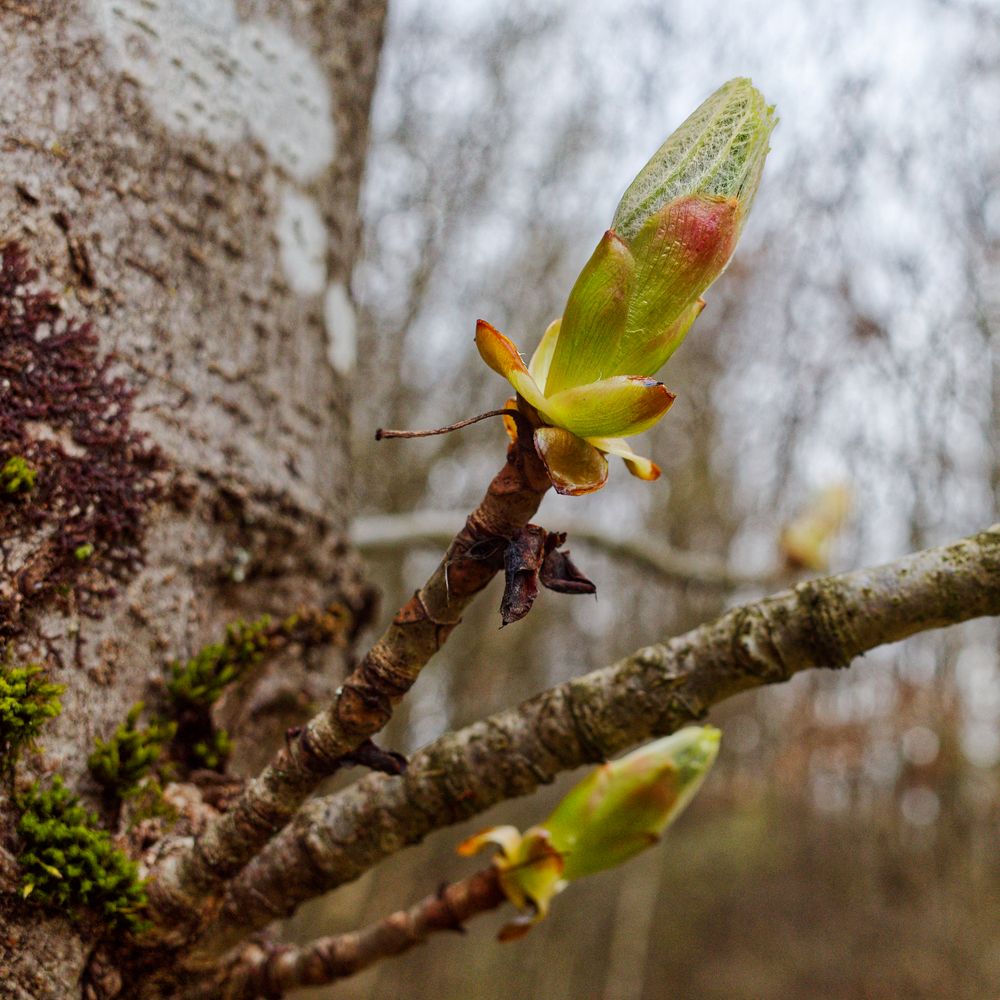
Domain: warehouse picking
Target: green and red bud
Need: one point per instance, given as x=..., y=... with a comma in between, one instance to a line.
x=718, y=151
x=637, y=297
x=618, y=810
x=679, y=252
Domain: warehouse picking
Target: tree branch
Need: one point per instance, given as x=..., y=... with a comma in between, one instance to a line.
x=391, y=532
x=187, y=881
x=262, y=971
x=820, y=623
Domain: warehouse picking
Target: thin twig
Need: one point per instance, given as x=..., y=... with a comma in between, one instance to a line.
x=820, y=623
x=259, y=970
x=382, y=434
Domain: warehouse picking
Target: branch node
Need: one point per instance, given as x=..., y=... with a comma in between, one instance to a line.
x=454, y=919
x=369, y=755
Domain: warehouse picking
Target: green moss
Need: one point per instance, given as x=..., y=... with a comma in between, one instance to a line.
x=68, y=862
x=27, y=701
x=17, y=475
x=214, y=751
x=131, y=754
x=83, y=552
x=195, y=685
x=201, y=681
x=149, y=802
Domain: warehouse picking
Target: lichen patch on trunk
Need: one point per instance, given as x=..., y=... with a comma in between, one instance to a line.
x=208, y=73
x=341, y=325
x=302, y=240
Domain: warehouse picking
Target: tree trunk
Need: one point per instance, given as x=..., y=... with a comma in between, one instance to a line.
x=184, y=176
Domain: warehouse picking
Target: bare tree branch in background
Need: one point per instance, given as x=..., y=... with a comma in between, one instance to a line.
x=389, y=533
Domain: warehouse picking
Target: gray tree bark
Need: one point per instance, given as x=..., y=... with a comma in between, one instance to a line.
x=185, y=177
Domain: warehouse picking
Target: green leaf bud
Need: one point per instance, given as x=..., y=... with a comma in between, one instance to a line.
x=635, y=300
x=618, y=810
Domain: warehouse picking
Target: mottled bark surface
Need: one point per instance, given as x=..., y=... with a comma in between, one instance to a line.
x=185, y=177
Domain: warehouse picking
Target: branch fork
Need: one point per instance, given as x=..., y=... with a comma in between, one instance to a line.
x=188, y=882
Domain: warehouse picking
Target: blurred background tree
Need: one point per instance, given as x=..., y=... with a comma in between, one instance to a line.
x=845, y=845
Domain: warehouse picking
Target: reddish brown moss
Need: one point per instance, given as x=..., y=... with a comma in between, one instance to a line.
x=68, y=417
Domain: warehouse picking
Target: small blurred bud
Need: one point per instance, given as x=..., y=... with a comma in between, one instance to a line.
x=17, y=475
x=618, y=810
x=807, y=539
